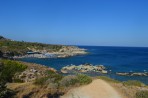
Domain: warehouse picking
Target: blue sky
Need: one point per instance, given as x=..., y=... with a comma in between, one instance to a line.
x=76, y=22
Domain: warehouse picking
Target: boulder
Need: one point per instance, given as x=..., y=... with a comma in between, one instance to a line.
x=104, y=71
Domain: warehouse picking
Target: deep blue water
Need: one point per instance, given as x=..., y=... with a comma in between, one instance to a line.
x=117, y=59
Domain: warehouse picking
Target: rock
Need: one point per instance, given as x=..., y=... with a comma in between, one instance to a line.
x=64, y=71
x=104, y=71
x=84, y=68
x=33, y=72
x=133, y=74
x=122, y=74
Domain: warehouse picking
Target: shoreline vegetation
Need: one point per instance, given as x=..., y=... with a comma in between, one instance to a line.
x=20, y=49
x=28, y=80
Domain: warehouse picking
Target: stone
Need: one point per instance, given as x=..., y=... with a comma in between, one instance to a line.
x=104, y=71
x=84, y=68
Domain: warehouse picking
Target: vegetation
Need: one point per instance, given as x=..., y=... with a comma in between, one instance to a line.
x=84, y=79
x=52, y=76
x=4, y=91
x=142, y=94
x=1, y=54
x=133, y=83
x=9, y=69
x=55, y=76
x=80, y=79
x=64, y=81
x=15, y=48
x=41, y=81
x=108, y=79
x=69, y=81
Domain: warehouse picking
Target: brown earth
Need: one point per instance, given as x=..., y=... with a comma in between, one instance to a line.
x=97, y=89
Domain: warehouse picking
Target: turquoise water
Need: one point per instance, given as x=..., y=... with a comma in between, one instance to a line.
x=117, y=59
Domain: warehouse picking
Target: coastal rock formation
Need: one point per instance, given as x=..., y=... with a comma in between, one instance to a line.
x=68, y=51
x=132, y=73
x=65, y=51
x=19, y=49
x=84, y=68
x=33, y=72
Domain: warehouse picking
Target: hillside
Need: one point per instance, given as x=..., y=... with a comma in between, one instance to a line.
x=3, y=39
x=10, y=48
x=20, y=47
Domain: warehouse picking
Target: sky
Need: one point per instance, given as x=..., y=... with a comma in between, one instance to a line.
x=76, y=22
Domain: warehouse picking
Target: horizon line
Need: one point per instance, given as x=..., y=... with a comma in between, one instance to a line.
x=81, y=45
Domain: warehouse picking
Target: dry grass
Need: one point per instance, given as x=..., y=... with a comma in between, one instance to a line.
x=25, y=90
x=48, y=91
x=128, y=91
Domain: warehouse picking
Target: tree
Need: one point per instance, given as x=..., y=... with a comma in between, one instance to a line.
x=4, y=92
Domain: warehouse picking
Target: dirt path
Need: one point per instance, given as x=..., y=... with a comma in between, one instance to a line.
x=97, y=89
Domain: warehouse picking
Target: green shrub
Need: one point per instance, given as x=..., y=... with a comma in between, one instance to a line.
x=41, y=81
x=50, y=72
x=20, y=48
x=142, y=94
x=55, y=76
x=1, y=54
x=84, y=79
x=4, y=92
x=52, y=76
x=133, y=83
x=18, y=81
x=69, y=81
x=9, y=69
x=72, y=80
x=108, y=79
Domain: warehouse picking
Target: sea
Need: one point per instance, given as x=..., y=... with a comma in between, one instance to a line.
x=115, y=59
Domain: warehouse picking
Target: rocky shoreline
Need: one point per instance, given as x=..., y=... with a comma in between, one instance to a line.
x=35, y=71
x=132, y=73
x=64, y=52
x=84, y=68
x=69, y=52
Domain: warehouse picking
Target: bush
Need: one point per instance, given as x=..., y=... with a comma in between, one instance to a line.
x=55, y=76
x=52, y=76
x=9, y=69
x=142, y=94
x=108, y=79
x=69, y=81
x=1, y=54
x=15, y=48
x=84, y=79
x=74, y=81
x=4, y=92
x=133, y=83
x=18, y=81
x=41, y=81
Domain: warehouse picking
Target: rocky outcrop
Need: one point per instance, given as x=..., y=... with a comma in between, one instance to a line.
x=33, y=72
x=84, y=68
x=68, y=51
x=132, y=73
